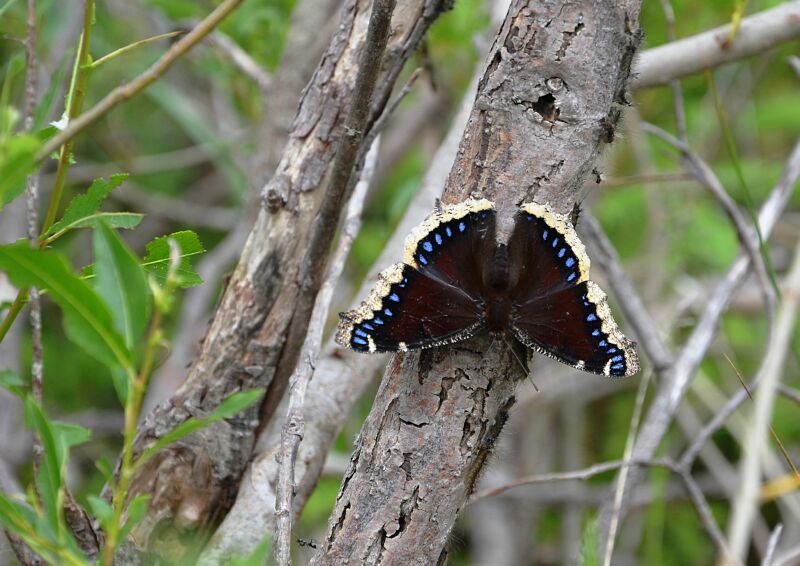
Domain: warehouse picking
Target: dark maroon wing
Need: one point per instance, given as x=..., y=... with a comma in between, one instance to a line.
x=435, y=297
x=556, y=309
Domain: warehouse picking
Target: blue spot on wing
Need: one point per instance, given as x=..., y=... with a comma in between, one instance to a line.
x=561, y=252
x=394, y=297
x=361, y=332
x=378, y=320
x=448, y=231
x=570, y=262
x=544, y=235
x=595, y=332
x=368, y=326
x=611, y=350
x=572, y=276
x=427, y=245
x=387, y=312
x=357, y=340
x=422, y=259
x=603, y=344
x=438, y=239
x=461, y=226
x=617, y=358
x=591, y=318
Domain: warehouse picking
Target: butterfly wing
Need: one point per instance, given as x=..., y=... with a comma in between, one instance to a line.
x=557, y=310
x=434, y=297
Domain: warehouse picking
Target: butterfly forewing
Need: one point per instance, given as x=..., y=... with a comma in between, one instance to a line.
x=432, y=299
x=556, y=310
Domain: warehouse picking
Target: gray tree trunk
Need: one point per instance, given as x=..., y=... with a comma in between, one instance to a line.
x=550, y=96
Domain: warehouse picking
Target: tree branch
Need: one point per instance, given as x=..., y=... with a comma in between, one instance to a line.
x=439, y=412
x=756, y=34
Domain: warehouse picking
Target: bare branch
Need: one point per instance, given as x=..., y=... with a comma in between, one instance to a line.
x=704, y=174
x=773, y=544
x=675, y=381
x=710, y=49
x=137, y=85
x=241, y=59
x=746, y=500
x=294, y=425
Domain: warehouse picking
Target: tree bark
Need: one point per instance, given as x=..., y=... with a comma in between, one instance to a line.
x=550, y=96
x=193, y=482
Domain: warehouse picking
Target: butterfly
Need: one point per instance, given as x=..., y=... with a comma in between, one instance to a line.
x=456, y=281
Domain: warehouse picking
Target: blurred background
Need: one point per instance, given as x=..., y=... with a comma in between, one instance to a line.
x=200, y=143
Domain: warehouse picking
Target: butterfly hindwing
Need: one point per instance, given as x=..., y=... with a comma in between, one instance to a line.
x=433, y=298
x=557, y=310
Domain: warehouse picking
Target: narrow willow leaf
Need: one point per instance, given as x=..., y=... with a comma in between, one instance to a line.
x=156, y=262
x=126, y=220
x=88, y=203
x=70, y=434
x=121, y=282
x=17, y=160
x=9, y=379
x=50, y=477
x=229, y=407
x=102, y=510
x=87, y=320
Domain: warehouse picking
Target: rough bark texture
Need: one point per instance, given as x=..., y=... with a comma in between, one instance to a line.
x=550, y=96
x=194, y=482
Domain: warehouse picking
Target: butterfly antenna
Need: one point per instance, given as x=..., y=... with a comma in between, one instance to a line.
x=522, y=365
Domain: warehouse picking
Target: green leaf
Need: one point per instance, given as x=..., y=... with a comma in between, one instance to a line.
x=122, y=384
x=229, y=407
x=136, y=512
x=126, y=220
x=102, y=510
x=87, y=320
x=11, y=380
x=85, y=205
x=51, y=471
x=17, y=160
x=104, y=467
x=70, y=434
x=121, y=282
x=156, y=262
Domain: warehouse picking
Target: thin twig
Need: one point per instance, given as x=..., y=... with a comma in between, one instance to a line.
x=705, y=175
x=694, y=491
x=789, y=392
x=294, y=425
x=746, y=501
x=623, y=475
x=242, y=60
x=630, y=302
x=381, y=122
x=129, y=90
x=772, y=545
x=675, y=84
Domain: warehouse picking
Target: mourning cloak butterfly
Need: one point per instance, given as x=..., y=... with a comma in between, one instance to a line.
x=457, y=281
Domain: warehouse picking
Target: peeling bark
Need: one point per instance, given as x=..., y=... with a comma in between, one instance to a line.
x=194, y=481
x=553, y=87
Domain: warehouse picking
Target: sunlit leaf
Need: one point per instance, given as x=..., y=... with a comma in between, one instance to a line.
x=87, y=204
x=156, y=262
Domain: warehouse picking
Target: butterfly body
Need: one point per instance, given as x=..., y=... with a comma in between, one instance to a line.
x=457, y=281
